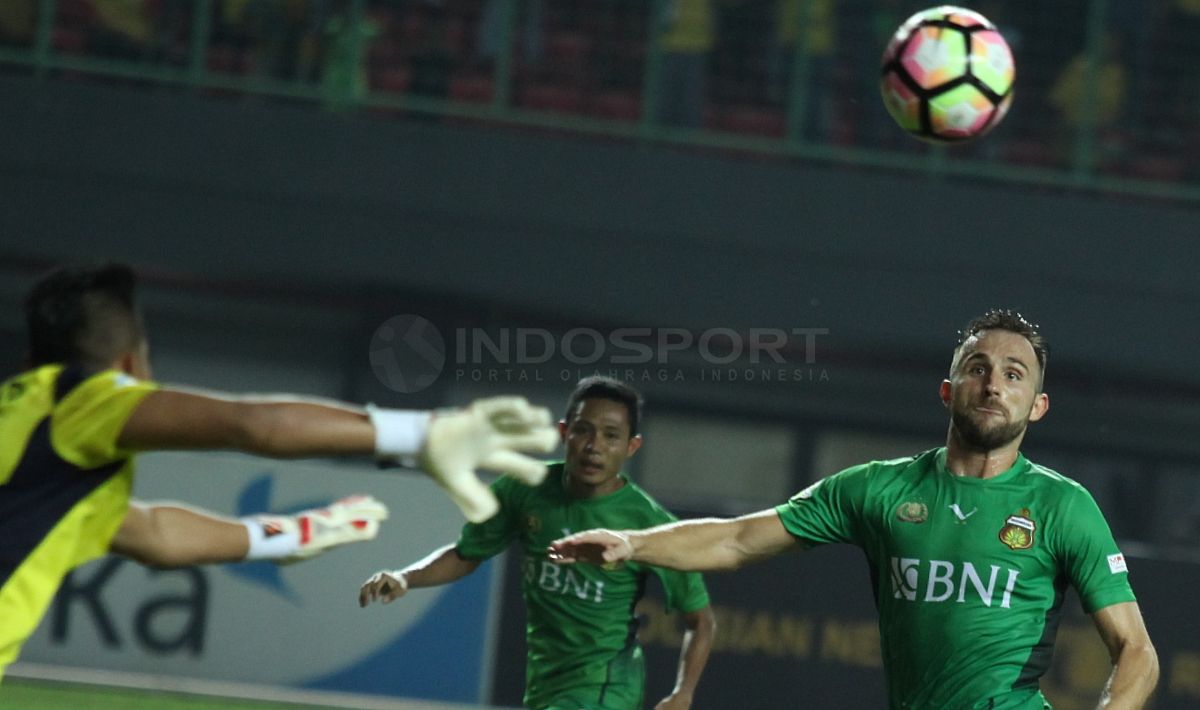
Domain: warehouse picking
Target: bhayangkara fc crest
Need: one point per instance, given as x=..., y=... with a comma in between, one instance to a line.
x=533, y=524
x=1018, y=530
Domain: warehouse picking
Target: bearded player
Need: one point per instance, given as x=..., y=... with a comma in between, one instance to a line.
x=971, y=545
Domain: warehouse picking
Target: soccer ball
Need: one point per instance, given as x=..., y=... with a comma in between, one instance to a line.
x=947, y=75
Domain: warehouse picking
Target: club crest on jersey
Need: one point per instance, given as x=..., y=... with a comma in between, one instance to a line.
x=1018, y=530
x=912, y=512
x=533, y=524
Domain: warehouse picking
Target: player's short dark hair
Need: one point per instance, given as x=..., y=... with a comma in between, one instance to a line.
x=599, y=387
x=83, y=315
x=1014, y=322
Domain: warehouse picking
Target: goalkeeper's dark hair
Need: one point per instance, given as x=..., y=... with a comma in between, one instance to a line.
x=1014, y=322
x=598, y=387
x=83, y=315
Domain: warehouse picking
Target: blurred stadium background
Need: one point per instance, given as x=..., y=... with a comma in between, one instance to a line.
x=535, y=190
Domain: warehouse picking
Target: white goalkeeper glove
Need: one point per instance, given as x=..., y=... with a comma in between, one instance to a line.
x=312, y=532
x=489, y=434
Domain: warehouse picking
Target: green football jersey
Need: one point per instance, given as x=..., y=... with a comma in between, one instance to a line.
x=969, y=574
x=580, y=625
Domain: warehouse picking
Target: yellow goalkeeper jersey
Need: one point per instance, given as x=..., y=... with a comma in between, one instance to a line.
x=64, y=484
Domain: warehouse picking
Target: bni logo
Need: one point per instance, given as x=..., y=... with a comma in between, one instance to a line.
x=905, y=575
x=941, y=581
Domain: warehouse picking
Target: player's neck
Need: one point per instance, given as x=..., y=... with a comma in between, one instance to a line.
x=962, y=460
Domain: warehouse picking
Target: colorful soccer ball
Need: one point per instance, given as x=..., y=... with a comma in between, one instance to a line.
x=947, y=75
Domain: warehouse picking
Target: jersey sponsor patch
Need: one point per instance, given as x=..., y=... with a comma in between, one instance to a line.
x=1116, y=563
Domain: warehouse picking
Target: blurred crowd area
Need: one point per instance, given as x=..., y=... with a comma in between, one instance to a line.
x=1103, y=87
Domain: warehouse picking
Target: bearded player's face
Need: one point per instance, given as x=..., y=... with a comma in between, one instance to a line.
x=993, y=391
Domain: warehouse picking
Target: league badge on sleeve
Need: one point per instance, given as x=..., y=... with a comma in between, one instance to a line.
x=1116, y=563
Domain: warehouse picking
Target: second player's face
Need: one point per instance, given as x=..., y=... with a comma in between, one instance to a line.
x=993, y=392
x=598, y=442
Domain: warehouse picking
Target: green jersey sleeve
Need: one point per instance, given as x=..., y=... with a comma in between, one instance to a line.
x=830, y=510
x=483, y=540
x=1090, y=556
x=685, y=591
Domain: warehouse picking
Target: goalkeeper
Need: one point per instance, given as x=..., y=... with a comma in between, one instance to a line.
x=72, y=423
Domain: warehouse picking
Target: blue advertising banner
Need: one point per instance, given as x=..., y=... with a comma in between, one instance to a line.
x=297, y=626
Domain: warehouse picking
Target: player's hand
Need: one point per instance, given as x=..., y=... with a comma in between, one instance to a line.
x=597, y=547
x=490, y=433
x=384, y=586
x=675, y=701
x=351, y=519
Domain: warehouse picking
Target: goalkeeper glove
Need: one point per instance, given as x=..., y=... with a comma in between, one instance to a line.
x=489, y=433
x=312, y=532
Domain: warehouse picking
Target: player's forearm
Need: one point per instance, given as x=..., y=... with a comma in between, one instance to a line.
x=1134, y=676
x=703, y=545
x=693, y=653
x=171, y=535
x=442, y=566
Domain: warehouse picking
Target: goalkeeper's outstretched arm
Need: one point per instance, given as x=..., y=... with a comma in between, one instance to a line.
x=449, y=445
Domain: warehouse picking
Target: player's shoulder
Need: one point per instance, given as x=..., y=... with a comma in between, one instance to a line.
x=510, y=490
x=635, y=498
x=922, y=460
x=74, y=384
x=887, y=469
x=26, y=386
x=39, y=391
x=638, y=495
x=1051, y=481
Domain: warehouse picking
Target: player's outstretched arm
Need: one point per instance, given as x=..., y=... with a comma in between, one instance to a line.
x=171, y=535
x=1135, y=662
x=449, y=445
x=279, y=427
x=706, y=545
x=442, y=566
